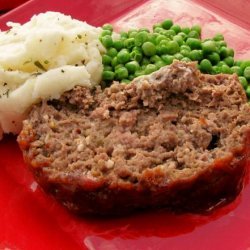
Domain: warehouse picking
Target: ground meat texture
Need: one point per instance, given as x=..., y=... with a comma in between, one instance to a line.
x=176, y=138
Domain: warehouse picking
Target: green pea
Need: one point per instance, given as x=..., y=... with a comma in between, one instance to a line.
x=185, y=52
x=112, y=52
x=225, y=52
x=132, y=34
x=164, y=42
x=150, y=68
x=114, y=62
x=106, y=60
x=196, y=55
x=160, y=64
x=243, y=82
x=231, y=52
x=185, y=47
x=159, y=38
x=173, y=47
x=121, y=73
x=157, y=25
x=155, y=59
x=107, y=68
x=158, y=30
x=141, y=38
x=125, y=81
x=248, y=91
x=178, y=39
x=214, y=58
x=139, y=73
x=193, y=34
x=196, y=28
x=168, y=33
x=132, y=66
x=183, y=35
x=108, y=75
x=106, y=32
x=193, y=43
x=136, y=55
x=229, y=61
x=107, y=41
x=107, y=26
x=206, y=66
x=123, y=56
x=137, y=48
x=168, y=59
x=245, y=64
x=148, y=49
x=161, y=49
x=186, y=30
x=225, y=69
x=218, y=37
x=167, y=24
x=186, y=59
x=247, y=73
x=118, y=44
x=119, y=66
x=221, y=44
x=129, y=43
x=152, y=37
x=209, y=47
x=178, y=56
x=216, y=70
x=220, y=63
x=176, y=28
x=123, y=34
x=237, y=70
x=238, y=63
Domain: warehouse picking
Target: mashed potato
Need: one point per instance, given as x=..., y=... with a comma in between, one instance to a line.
x=43, y=58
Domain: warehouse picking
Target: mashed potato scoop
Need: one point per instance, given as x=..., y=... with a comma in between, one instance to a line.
x=43, y=58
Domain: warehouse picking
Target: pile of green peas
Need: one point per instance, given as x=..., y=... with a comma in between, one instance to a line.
x=140, y=52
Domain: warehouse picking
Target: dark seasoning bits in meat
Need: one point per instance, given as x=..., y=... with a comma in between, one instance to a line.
x=176, y=138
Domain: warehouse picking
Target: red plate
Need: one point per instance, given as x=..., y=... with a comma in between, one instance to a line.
x=30, y=219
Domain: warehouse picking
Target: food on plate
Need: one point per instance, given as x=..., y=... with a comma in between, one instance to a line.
x=140, y=52
x=176, y=138
x=52, y=53
x=43, y=58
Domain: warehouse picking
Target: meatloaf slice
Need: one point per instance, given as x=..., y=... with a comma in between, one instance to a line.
x=176, y=138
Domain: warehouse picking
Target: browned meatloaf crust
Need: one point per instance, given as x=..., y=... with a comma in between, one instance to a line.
x=176, y=138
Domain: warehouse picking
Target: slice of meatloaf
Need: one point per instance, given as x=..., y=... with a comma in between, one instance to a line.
x=176, y=138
